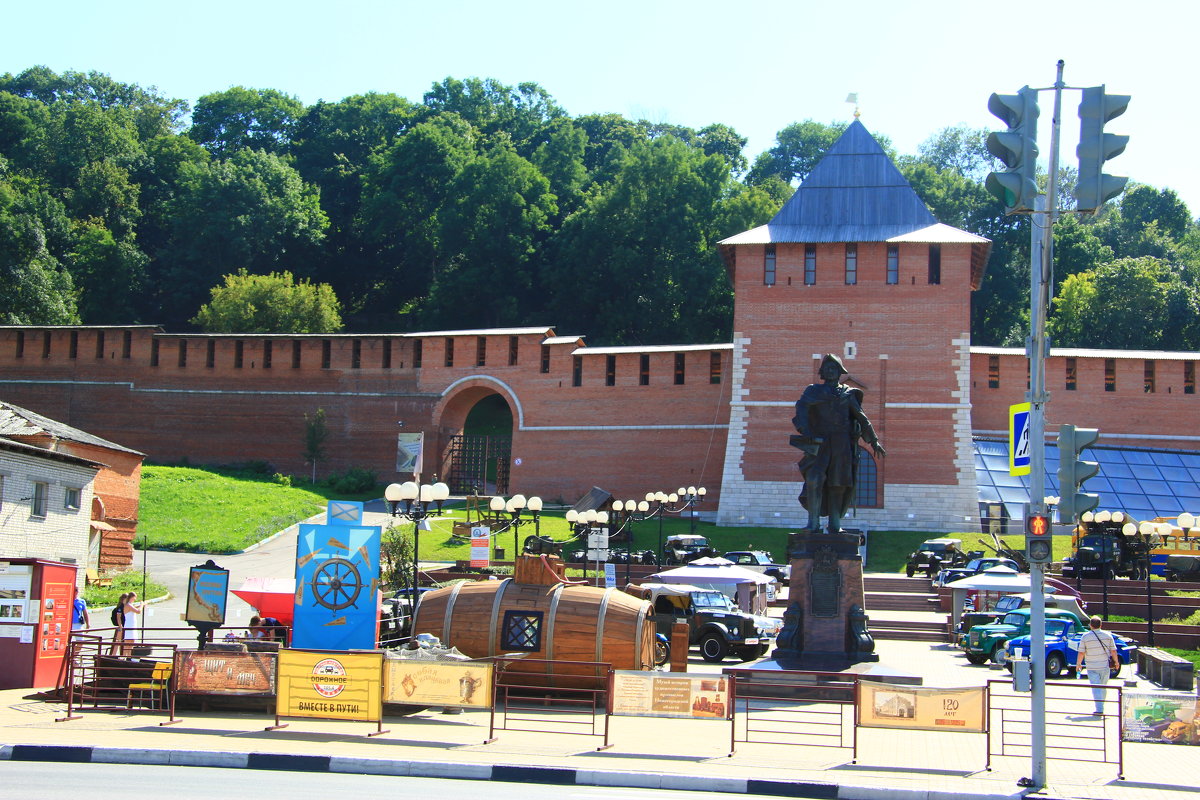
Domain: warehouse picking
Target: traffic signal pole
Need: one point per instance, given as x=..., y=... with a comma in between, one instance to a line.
x=1041, y=270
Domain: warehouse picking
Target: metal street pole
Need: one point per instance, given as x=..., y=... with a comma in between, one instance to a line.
x=1041, y=281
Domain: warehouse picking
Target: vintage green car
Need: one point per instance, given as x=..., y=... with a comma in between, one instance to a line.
x=987, y=642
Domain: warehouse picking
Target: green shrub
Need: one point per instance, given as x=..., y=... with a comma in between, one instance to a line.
x=355, y=480
x=1191, y=619
x=281, y=479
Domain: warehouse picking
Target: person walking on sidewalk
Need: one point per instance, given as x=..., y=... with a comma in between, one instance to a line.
x=1098, y=653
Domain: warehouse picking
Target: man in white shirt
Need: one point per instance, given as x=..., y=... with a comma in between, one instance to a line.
x=1098, y=653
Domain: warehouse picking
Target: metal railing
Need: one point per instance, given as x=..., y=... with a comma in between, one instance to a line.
x=569, y=697
x=813, y=709
x=1073, y=732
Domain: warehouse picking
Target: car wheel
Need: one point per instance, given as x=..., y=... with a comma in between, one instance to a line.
x=662, y=652
x=713, y=649
x=1000, y=655
x=976, y=658
x=909, y=570
x=748, y=653
x=1056, y=665
x=1172, y=575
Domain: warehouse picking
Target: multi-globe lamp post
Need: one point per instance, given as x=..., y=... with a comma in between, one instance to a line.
x=411, y=501
x=674, y=503
x=582, y=522
x=516, y=507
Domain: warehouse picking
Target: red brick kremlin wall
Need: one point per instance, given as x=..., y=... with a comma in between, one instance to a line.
x=134, y=387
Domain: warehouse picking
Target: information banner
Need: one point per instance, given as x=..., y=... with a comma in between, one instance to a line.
x=1160, y=717
x=337, y=578
x=215, y=672
x=481, y=540
x=670, y=694
x=208, y=593
x=452, y=684
x=882, y=705
x=330, y=685
x=409, y=447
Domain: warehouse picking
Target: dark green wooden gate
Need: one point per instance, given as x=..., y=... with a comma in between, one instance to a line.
x=479, y=463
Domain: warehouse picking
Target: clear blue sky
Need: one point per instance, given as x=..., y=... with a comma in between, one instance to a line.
x=757, y=66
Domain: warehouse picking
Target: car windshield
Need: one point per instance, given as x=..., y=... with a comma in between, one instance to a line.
x=1007, y=604
x=930, y=547
x=711, y=600
x=1015, y=619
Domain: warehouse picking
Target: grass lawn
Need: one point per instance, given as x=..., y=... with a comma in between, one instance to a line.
x=219, y=510
x=101, y=599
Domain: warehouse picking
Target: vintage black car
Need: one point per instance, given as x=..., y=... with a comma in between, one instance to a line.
x=760, y=561
x=973, y=567
x=935, y=555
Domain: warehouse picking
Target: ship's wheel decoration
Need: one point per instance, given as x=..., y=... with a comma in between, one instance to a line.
x=336, y=584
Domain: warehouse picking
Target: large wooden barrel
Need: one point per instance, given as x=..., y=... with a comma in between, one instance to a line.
x=558, y=622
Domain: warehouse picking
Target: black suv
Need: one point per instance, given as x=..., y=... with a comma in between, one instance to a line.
x=714, y=622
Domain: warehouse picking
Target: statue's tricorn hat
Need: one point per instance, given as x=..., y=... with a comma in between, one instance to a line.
x=830, y=357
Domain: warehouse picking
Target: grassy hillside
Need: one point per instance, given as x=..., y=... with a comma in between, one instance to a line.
x=218, y=510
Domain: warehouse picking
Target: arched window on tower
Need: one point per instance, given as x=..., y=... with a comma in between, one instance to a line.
x=866, y=490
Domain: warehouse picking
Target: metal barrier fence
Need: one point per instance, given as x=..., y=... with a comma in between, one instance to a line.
x=101, y=680
x=814, y=709
x=1073, y=732
x=568, y=697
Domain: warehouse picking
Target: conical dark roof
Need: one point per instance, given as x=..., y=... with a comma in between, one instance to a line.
x=854, y=191
x=854, y=194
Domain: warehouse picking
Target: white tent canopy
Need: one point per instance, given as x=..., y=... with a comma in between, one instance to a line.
x=718, y=574
x=997, y=579
x=745, y=586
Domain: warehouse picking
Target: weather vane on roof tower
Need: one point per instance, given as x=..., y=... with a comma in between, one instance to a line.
x=853, y=98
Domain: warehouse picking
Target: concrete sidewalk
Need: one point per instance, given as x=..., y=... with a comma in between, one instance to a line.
x=645, y=753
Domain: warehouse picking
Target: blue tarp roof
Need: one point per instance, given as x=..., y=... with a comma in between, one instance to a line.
x=1142, y=483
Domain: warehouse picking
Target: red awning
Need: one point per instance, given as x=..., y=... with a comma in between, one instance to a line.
x=271, y=597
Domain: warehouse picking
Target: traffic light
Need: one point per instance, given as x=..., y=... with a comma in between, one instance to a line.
x=1038, y=539
x=1016, y=148
x=1073, y=471
x=1095, y=147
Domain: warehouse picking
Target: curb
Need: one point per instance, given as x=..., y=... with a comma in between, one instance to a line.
x=561, y=776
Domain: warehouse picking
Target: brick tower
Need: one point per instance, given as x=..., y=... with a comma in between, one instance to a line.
x=855, y=264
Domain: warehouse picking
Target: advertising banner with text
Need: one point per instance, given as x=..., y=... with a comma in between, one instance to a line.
x=458, y=684
x=215, y=672
x=330, y=685
x=924, y=708
x=669, y=694
x=1160, y=717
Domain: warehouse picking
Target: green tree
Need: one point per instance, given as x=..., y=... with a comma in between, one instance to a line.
x=240, y=118
x=34, y=288
x=490, y=234
x=110, y=274
x=798, y=148
x=522, y=114
x=406, y=188
x=274, y=303
x=250, y=211
x=638, y=263
x=1125, y=304
x=316, y=432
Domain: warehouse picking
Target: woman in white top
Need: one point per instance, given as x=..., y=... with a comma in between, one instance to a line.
x=133, y=611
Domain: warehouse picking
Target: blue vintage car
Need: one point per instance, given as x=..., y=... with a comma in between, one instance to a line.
x=1062, y=648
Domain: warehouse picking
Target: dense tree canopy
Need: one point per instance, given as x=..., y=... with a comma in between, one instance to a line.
x=486, y=204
